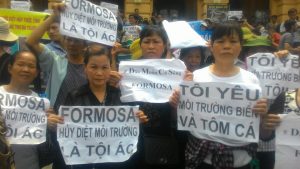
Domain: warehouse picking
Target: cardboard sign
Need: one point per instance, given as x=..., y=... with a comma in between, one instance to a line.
x=150, y=80
x=98, y=134
x=219, y=112
x=25, y=118
x=84, y=20
x=287, y=153
x=275, y=75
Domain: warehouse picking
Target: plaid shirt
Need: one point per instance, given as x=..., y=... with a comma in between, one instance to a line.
x=222, y=155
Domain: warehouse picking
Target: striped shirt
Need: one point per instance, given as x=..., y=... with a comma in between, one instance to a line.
x=74, y=78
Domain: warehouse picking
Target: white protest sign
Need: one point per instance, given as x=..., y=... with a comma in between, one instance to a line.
x=150, y=80
x=275, y=75
x=98, y=134
x=237, y=14
x=214, y=110
x=25, y=118
x=182, y=35
x=133, y=31
x=112, y=7
x=20, y=5
x=84, y=20
x=287, y=153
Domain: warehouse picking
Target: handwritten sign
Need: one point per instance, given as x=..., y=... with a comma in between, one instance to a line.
x=219, y=111
x=85, y=20
x=150, y=80
x=132, y=31
x=20, y=5
x=217, y=12
x=275, y=75
x=287, y=152
x=112, y=7
x=98, y=134
x=236, y=14
x=25, y=118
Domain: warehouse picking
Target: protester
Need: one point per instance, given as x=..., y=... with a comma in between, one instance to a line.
x=273, y=23
x=56, y=38
x=160, y=131
x=193, y=58
x=222, y=153
x=139, y=17
x=133, y=20
x=98, y=93
x=7, y=39
x=286, y=40
x=67, y=73
x=56, y=45
x=23, y=68
x=292, y=14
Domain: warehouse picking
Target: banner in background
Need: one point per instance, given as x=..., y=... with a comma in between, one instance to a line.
x=22, y=23
x=84, y=20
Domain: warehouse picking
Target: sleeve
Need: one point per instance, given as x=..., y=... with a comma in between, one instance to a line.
x=46, y=59
x=277, y=107
x=289, y=39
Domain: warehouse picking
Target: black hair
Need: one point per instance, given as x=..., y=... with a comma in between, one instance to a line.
x=136, y=17
x=56, y=19
x=292, y=10
x=13, y=58
x=228, y=28
x=95, y=50
x=274, y=16
x=85, y=43
x=250, y=50
x=288, y=25
x=185, y=51
x=151, y=30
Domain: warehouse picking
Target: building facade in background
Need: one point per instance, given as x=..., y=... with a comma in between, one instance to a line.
x=189, y=9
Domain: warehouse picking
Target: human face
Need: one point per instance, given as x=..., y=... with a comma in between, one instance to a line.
x=74, y=46
x=192, y=59
x=132, y=20
x=226, y=49
x=152, y=47
x=24, y=70
x=53, y=32
x=293, y=15
x=98, y=70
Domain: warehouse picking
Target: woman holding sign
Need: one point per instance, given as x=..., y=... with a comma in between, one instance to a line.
x=160, y=132
x=23, y=68
x=222, y=153
x=97, y=92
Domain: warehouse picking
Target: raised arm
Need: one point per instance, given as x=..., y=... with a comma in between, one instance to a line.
x=33, y=40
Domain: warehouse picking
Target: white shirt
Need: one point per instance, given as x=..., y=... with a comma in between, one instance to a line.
x=241, y=157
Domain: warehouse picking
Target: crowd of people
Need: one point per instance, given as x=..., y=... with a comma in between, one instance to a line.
x=76, y=72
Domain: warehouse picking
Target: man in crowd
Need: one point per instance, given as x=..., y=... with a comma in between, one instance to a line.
x=292, y=13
